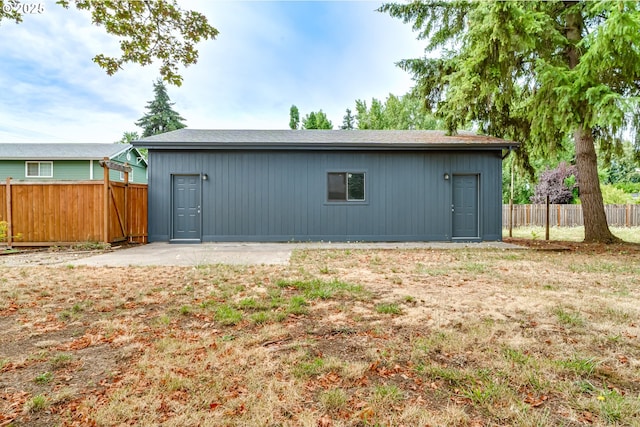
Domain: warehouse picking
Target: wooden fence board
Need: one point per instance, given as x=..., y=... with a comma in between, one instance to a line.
x=56, y=213
x=137, y=212
x=568, y=215
x=3, y=202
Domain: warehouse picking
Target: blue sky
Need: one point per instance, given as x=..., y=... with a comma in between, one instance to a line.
x=268, y=56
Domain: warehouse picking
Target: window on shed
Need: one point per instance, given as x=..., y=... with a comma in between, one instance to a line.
x=345, y=186
x=39, y=169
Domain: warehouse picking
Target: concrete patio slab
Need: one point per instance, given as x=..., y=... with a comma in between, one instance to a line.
x=166, y=254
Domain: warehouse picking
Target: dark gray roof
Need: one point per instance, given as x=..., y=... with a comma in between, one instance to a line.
x=320, y=139
x=62, y=151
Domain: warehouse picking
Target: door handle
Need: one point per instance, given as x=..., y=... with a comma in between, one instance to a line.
x=453, y=208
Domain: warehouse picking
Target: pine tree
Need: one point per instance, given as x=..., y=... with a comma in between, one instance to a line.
x=160, y=116
x=347, y=121
x=544, y=74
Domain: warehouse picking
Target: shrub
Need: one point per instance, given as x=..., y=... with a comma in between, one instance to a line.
x=628, y=187
x=615, y=196
x=4, y=230
x=559, y=184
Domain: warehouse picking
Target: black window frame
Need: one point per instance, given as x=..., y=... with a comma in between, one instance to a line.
x=348, y=174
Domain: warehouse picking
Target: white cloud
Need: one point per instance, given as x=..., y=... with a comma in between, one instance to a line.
x=267, y=57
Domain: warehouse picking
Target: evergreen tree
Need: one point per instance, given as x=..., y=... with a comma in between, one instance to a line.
x=347, y=121
x=160, y=116
x=541, y=73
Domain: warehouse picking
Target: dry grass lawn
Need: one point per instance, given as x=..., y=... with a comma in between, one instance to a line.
x=336, y=338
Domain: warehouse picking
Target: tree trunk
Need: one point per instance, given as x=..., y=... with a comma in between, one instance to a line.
x=596, y=228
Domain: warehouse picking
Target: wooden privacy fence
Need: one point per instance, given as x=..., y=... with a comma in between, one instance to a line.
x=66, y=213
x=568, y=215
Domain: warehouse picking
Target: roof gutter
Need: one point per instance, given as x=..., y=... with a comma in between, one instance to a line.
x=396, y=146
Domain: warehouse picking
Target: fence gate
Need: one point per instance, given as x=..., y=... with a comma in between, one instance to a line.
x=58, y=213
x=116, y=199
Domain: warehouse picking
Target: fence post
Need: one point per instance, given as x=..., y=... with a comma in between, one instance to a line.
x=546, y=221
x=9, y=219
x=627, y=215
x=105, y=194
x=511, y=201
x=126, y=203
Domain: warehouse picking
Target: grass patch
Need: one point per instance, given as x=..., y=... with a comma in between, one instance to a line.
x=484, y=394
x=515, y=356
x=306, y=369
x=321, y=289
x=163, y=320
x=260, y=317
x=43, y=378
x=388, y=308
x=60, y=360
x=298, y=305
x=579, y=366
x=249, y=304
x=227, y=315
x=614, y=407
x=386, y=395
x=474, y=267
x=37, y=403
x=568, y=317
x=451, y=376
x=334, y=399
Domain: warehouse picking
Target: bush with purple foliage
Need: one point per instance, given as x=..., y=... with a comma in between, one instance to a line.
x=559, y=184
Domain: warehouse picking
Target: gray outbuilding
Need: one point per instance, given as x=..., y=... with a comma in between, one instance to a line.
x=319, y=185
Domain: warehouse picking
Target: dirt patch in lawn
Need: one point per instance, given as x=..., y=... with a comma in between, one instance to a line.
x=587, y=248
x=337, y=338
x=56, y=255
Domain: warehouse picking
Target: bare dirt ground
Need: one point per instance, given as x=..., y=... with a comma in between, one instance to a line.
x=47, y=256
x=546, y=336
x=585, y=248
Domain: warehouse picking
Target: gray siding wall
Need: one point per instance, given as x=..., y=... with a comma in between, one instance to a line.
x=282, y=196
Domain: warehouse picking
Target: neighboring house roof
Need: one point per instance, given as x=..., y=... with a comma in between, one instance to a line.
x=321, y=139
x=64, y=151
